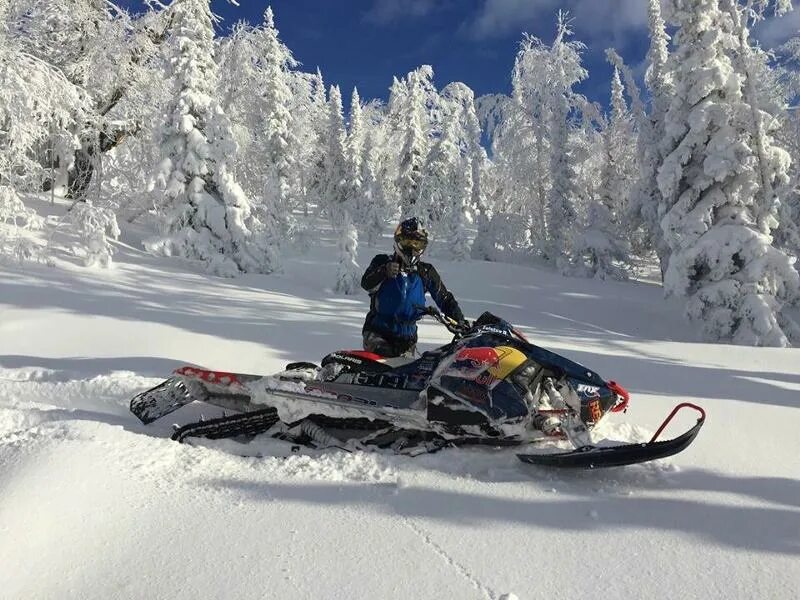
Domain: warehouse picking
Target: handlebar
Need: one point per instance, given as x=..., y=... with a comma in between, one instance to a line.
x=453, y=326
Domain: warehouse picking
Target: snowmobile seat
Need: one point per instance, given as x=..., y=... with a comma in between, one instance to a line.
x=397, y=361
x=391, y=361
x=367, y=360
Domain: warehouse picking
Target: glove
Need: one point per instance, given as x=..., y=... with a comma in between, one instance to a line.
x=392, y=269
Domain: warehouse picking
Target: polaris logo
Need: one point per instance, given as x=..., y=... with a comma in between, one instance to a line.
x=350, y=359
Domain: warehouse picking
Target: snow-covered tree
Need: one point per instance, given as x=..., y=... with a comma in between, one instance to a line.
x=521, y=144
x=598, y=245
x=314, y=174
x=208, y=217
x=719, y=219
x=339, y=195
x=95, y=226
x=462, y=98
x=662, y=87
x=602, y=240
x=540, y=141
x=374, y=211
x=561, y=210
x=37, y=103
x=355, y=148
x=348, y=273
x=277, y=144
x=106, y=53
x=415, y=143
x=446, y=186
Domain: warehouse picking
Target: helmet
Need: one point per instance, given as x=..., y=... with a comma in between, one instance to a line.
x=410, y=241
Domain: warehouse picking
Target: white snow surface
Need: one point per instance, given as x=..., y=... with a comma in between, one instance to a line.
x=95, y=505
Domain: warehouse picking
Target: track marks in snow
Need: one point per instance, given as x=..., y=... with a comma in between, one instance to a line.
x=462, y=571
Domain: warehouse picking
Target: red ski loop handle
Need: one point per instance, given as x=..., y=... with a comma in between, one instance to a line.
x=674, y=412
x=620, y=391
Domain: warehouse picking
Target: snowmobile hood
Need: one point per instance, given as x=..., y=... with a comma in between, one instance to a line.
x=489, y=323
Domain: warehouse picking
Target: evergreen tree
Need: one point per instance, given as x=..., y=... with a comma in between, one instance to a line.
x=415, y=143
x=447, y=185
x=339, y=196
x=337, y=185
x=561, y=201
x=374, y=211
x=722, y=259
x=208, y=217
x=348, y=271
x=601, y=243
x=522, y=145
x=315, y=176
x=647, y=205
x=278, y=143
x=355, y=150
x=477, y=208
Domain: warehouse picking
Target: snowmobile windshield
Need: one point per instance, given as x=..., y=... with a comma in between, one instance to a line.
x=493, y=324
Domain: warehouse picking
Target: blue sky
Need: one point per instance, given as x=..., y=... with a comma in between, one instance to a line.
x=364, y=42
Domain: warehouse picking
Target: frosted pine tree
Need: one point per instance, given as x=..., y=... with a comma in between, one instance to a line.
x=314, y=172
x=374, y=211
x=339, y=196
x=415, y=143
x=278, y=144
x=767, y=100
x=722, y=258
x=461, y=219
x=439, y=173
x=446, y=186
x=36, y=102
x=601, y=243
x=620, y=152
x=207, y=215
x=787, y=234
x=561, y=209
x=348, y=271
x=523, y=144
x=355, y=149
x=389, y=141
x=647, y=203
x=475, y=155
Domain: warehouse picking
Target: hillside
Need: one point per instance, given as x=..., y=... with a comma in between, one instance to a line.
x=95, y=505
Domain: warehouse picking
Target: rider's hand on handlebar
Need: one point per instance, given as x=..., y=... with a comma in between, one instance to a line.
x=392, y=269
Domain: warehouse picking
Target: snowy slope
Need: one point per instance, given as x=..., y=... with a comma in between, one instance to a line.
x=95, y=505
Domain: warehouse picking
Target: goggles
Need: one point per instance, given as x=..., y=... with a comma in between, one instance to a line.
x=412, y=244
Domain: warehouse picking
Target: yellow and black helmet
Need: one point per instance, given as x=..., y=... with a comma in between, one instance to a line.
x=410, y=240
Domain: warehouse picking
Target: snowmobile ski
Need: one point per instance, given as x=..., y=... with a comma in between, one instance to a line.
x=596, y=457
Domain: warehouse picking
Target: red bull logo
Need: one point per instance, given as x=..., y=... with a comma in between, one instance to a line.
x=487, y=365
x=479, y=357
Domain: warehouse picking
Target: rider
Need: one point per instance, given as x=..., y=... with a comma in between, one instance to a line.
x=397, y=285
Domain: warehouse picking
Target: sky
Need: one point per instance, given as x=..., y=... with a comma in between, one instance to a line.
x=364, y=43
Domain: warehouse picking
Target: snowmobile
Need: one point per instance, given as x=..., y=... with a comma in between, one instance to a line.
x=489, y=386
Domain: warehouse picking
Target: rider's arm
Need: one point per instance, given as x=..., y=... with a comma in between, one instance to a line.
x=375, y=274
x=444, y=299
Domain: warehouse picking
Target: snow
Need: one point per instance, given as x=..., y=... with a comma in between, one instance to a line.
x=95, y=505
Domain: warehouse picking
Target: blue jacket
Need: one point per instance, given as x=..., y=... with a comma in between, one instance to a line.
x=392, y=310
